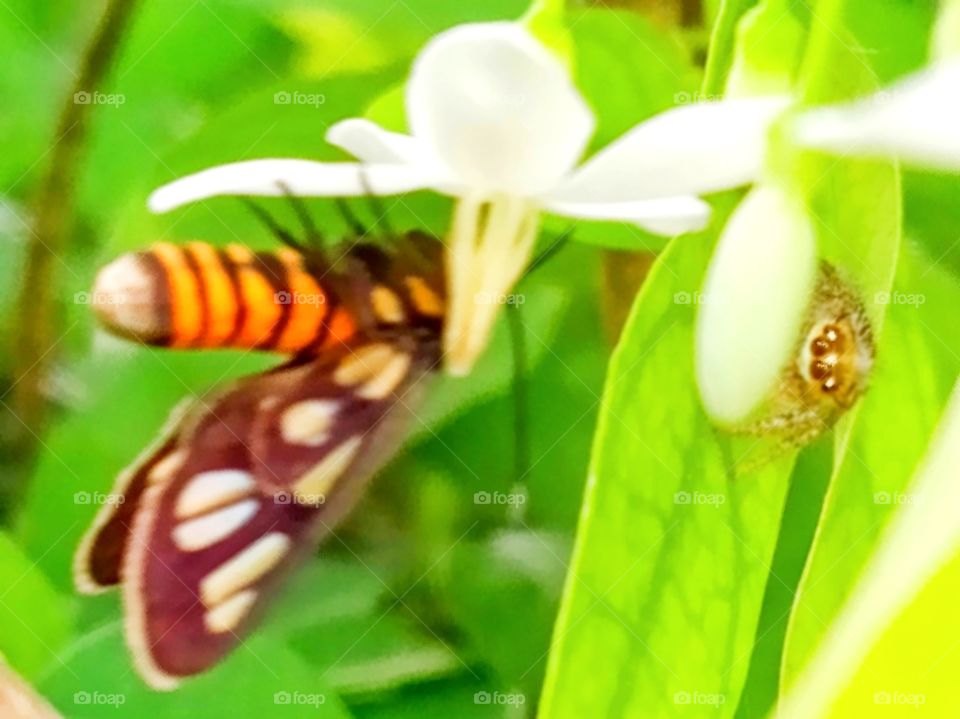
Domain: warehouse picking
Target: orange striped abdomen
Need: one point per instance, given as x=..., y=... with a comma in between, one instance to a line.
x=200, y=296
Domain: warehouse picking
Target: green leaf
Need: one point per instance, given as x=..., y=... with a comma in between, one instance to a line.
x=511, y=581
x=769, y=42
x=545, y=19
x=674, y=546
x=722, y=45
x=856, y=205
x=922, y=539
x=902, y=674
x=36, y=620
x=262, y=678
x=800, y=516
x=912, y=380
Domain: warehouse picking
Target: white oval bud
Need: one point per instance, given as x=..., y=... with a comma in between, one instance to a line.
x=756, y=292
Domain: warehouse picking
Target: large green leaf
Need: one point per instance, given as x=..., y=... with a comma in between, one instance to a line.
x=917, y=364
x=263, y=678
x=856, y=205
x=913, y=667
x=36, y=620
x=674, y=545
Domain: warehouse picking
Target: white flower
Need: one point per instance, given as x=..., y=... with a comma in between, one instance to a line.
x=754, y=297
x=496, y=121
x=915, y=120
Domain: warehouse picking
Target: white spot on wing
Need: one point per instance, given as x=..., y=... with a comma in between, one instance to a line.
x=364, y=363
x=202, y=532
x=387, y=379
x=209, y=490
x=227, y=615
x=313, y=487
x=307, y=423
x=163, y=470
x=244, y=569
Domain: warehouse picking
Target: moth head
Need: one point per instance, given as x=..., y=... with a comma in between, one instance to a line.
x=129, y=299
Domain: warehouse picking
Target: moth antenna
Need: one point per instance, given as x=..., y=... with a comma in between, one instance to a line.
x=313, y=236
x=521, y=413
x=350, y=218
x=553, y=249
x=271, y=224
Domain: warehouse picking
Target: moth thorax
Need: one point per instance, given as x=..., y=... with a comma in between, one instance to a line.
x=129, y=298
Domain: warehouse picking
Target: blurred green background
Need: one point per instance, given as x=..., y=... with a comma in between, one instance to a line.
x=430, y=600
x=427, y=595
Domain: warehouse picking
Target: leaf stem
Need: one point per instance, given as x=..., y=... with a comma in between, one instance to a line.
x=722, y=41
x=37, y=331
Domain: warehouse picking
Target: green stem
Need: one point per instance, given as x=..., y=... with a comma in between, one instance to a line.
x=722, y=42
x=38, y=330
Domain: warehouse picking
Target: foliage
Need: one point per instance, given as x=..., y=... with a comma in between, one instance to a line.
x=649, y=572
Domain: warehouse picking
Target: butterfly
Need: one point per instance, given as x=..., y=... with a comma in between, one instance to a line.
x=244, y=483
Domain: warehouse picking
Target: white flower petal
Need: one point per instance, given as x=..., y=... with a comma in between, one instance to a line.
x=300, y=177
x=667, y=216
x=916, y=120
x=755, y=295
x=497, y=109
x=369, y=142
x=688, y=150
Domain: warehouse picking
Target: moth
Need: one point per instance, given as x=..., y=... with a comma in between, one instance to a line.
x=245, y=482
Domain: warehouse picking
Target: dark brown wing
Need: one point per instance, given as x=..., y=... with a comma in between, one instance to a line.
x=219, y=512
x=341, y=415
